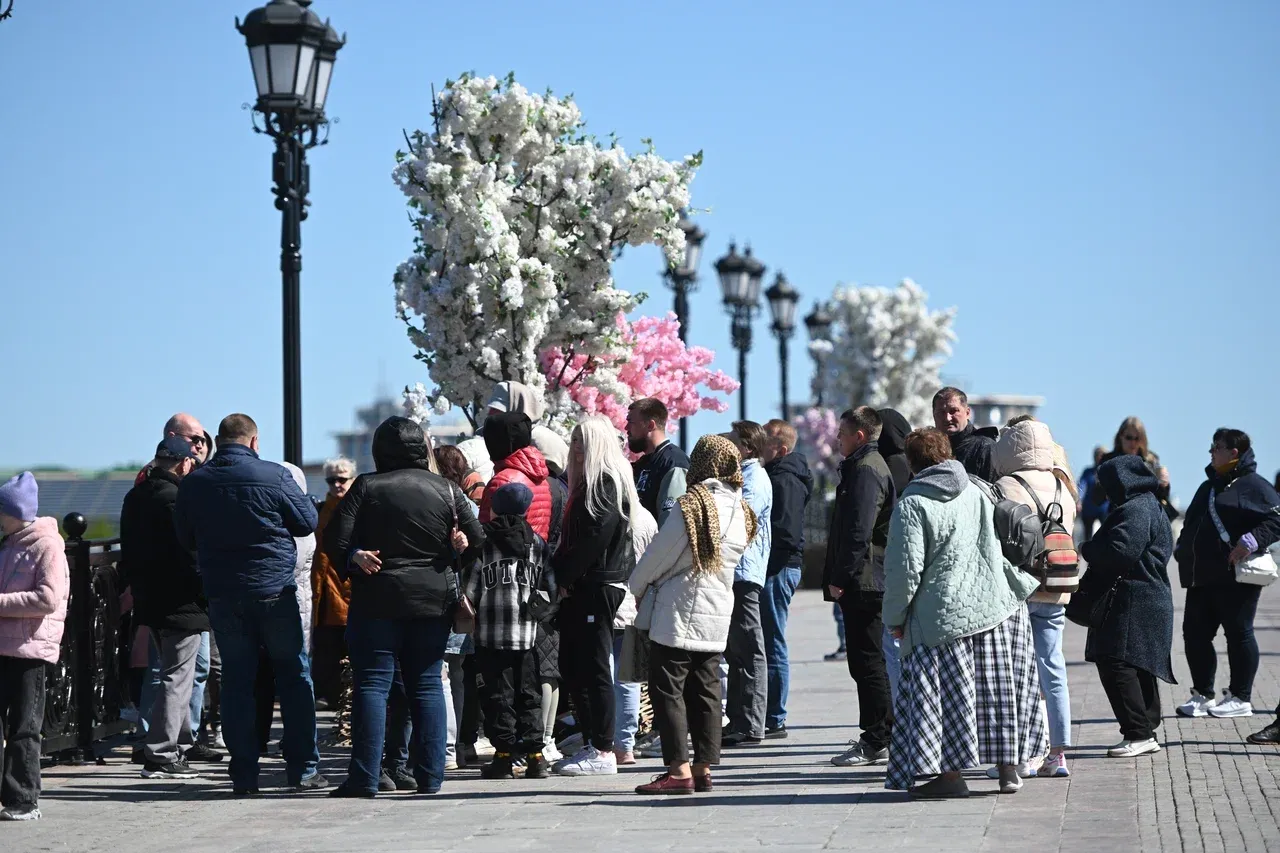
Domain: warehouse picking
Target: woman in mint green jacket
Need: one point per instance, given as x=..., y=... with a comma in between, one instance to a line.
x=969, y=693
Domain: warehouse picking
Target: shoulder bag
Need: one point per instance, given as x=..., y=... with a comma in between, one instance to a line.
x=464, y=615
x=1258, y=569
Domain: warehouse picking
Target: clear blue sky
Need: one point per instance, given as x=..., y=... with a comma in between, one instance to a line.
x=1094, y=184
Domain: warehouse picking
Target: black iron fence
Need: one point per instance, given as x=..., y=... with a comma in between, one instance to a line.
x=88, y=685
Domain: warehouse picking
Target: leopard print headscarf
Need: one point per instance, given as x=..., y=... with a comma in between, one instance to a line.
x=714, y=458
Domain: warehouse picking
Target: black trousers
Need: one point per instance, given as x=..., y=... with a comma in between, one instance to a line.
x=864, y=640
x=329, y=647
x=22, y=716
x=469, y=722
x=457, y=689
x=264, y=697
x=684, y=688
x=1232, y=607
x=1134, y=697
x=511, y=698
x=586, y=650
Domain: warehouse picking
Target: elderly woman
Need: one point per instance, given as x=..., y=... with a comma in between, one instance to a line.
x=330, y=594
x=685, y=583
x=968, y=693
x=395, y=535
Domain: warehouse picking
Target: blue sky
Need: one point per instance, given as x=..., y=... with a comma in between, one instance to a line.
x=1095, y=185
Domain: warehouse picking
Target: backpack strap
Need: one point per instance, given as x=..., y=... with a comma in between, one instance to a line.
x=1039, y=506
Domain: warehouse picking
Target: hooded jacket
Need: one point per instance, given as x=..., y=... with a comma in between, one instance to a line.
x=406, y=513
x=34, y=584
x=514, y=564
x=241, y=513
x=945, y=575
x=516, y=460
x=518, y=397
x=859, y=524
x=792, y=486
x=1130, y=553
x=893, y=446
x=757, y=491
x=167, y=592
x=1246, y=504
x=973, y=448
x=1027, y=449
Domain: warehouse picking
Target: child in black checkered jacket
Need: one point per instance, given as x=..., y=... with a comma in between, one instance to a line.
x=515, y=566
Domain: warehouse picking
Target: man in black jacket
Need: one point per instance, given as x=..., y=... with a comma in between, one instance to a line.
x=853, y=576
x=660, y=472
x=972, y=447
x=792, y=485
x=168, y=599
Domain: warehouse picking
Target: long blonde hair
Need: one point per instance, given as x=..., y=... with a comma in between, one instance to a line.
x=602, y=461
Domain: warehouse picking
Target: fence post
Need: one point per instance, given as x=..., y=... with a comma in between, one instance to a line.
x=82, y=624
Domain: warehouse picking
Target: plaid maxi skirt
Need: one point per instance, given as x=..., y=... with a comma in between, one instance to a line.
x=971, y=702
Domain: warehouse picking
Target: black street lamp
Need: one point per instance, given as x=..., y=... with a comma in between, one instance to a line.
x=740, y=277
x=818, y=324
x=782, y=305
x=683, y=279
x=7, y=12
x=292, y=53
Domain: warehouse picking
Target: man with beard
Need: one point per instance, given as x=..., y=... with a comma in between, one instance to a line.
x=972, y=447
x=660, y=472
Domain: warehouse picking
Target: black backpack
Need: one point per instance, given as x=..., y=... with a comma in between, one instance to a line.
x=1057, y=565
x=1017, y=525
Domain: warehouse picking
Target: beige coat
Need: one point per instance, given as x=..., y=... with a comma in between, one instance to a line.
x=691, y=611
x=1028, y=450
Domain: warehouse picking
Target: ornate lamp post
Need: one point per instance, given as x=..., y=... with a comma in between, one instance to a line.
x=292, y=53
x=740, y=277
x=683, y=279
x=818, y=324
x=782, y=305
x=7, y=11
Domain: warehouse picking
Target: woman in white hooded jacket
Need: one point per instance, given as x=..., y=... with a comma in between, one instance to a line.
x=685, y=585
x=1026, y=456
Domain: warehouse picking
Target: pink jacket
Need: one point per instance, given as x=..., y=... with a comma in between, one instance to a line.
x=34, y=584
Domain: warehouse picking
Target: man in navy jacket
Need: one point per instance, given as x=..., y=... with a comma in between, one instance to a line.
x=240, y=514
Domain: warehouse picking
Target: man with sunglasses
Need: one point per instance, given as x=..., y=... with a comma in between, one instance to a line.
x=331, y=595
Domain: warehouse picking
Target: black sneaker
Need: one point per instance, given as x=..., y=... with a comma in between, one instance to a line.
x=344, y=792
x=314, y=782
x=403, y=779
x=173, y=770
x=386, y=784
x=839, y=654
x=733, y=739
x=499, y=768
x=536, y=767
x=780, y=733
x=1270, y=736
x=200, y=752
x=246, y=792
x=139, y=755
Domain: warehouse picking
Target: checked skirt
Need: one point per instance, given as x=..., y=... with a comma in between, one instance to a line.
x=972, y=702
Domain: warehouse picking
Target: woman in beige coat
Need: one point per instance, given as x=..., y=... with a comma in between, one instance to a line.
x=685, y=584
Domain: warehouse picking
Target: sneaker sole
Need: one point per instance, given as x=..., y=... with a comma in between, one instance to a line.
x=160, y=774
x=1232, y=714
x=1191, y=714
x=1151, y=750
x=577, y=773
x=1250, y=739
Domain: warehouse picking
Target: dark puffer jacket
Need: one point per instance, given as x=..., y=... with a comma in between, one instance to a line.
x=974, y=449
x=595, y=549
x=240, y=514
x=167, y=592
x=792, y=486
x=1131, y=552
x=406, y=513
x=893, y=444
x=1246, y=503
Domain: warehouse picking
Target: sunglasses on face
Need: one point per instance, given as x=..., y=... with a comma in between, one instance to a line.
x=337, y=481
x=1130, y=438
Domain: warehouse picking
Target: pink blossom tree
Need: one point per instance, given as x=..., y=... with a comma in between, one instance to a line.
x=660, y=365
x=816, y=431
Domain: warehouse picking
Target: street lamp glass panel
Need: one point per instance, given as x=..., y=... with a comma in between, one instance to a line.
x=283, y=59
x=692, y=255
x=261, y=74
x=319, y=88
x=734, y=281
x=782, y=304
x=306, y=61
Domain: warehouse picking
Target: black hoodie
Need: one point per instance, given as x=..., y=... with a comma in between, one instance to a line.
x=893, y=443
x=1246, y=503
x=792, y=486
x=974, y=449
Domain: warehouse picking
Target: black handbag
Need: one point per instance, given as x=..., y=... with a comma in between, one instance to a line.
x=1087, y=608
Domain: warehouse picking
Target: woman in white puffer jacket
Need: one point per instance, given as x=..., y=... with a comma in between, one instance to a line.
x=685, y=585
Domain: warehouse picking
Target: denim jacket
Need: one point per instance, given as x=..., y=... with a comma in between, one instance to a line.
x=757, y=491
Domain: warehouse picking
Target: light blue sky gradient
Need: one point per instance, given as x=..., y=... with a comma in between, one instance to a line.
x=1094, y=184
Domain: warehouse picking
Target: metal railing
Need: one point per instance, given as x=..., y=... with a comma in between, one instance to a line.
x=88, y=685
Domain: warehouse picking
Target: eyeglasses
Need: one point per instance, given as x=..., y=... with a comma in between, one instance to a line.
x=194, y=439
x=336, y=481
x=1130, y=438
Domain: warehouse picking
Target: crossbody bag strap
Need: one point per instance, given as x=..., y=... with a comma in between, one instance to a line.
x=1217, y=522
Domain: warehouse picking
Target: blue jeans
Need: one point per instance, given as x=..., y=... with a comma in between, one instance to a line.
x=152, y=683
x=892, y=662
x=1047, y=622
x=839, y=617
x=242, y=626
x=775, y=606
x=375, y=647
x=197, y=687
x=627, y=695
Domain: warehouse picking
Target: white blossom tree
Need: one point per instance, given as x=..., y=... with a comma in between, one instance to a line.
x=886, y=349
x=518, y=216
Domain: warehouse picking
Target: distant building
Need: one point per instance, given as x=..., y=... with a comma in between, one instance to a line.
x=996, y=409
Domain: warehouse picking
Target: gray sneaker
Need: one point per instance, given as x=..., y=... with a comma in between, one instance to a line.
x=30, y=812
x=314, y=782
x=859, y=754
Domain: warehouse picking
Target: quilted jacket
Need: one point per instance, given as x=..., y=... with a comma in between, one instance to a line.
x=1027, y=449
x=945, y=577
x=691, y=611
x=34, y=585
x=525, y=466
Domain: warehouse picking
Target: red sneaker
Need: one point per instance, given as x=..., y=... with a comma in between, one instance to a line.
x=702, y=784
x=666, y=784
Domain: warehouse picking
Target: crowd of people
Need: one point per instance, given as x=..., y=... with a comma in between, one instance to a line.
x=557, y=596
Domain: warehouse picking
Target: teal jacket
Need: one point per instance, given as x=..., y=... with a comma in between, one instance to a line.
x=945, y=577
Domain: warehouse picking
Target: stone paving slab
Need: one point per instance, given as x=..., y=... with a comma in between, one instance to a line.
x=1207, y=791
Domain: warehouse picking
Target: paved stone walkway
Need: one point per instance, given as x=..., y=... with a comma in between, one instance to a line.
x=1207, y=791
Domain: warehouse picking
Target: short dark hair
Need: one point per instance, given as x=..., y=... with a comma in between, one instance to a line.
x=236, y=428
x=752, y=437
x=864, y=419
x=1232, y=439
x=926, y=447
x=453, y=463
x=948, y=393
x=651, y=409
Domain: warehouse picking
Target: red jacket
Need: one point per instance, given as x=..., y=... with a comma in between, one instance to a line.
x=526, y=466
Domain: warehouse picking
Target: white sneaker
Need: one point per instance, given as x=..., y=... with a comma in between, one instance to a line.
x=484, y=749
x=552, y=754
x=1230, y=706
x=593, y=763
x=572, y=759
x=1025, y=771
x=1197, y=706
x=1134, y=748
